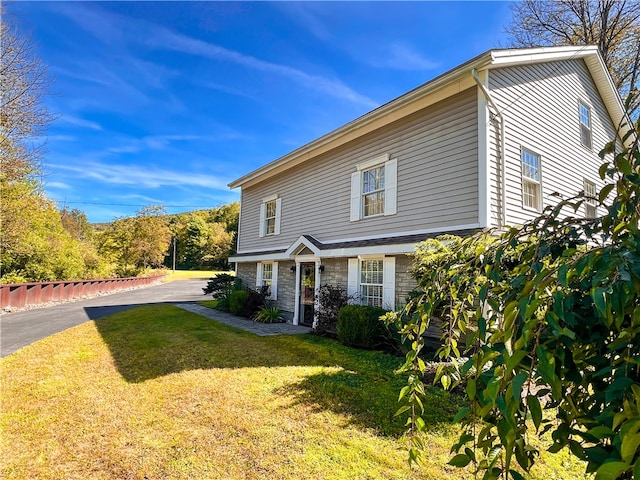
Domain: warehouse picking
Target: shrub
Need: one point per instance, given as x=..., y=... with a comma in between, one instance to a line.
x=219, y=285
x=237, y=301
x=331, y=298
x=254, y=302
x=360, y=326
x=268, y=315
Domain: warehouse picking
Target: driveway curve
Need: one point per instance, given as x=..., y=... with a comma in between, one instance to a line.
x=20, y=329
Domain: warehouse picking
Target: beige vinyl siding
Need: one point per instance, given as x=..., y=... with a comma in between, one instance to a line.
x=540, y=106
x=437, y=182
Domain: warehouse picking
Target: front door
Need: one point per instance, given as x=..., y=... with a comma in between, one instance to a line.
x=307, y=293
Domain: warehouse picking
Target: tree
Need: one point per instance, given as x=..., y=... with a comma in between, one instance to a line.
x=545, y=318
x=612, y=25
x=23, y=115
x=136, y=243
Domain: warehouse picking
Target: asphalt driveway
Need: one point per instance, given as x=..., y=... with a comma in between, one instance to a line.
x=23, y=328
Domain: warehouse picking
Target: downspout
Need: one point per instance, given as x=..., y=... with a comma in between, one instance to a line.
x=498, y=113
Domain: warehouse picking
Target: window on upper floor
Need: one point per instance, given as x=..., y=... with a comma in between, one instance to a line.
x=270, y=213
x=585, y=124
x=374, y=188
x=590, y=202
x=531, y=180
x=373, y=191
x=267, y=276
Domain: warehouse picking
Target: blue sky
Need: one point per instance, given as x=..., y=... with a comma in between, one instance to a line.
x=164, y=103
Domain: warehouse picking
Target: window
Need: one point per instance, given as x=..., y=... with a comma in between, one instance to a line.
x=267, y=276
x=371, y=275
x=374, y=187
x=372, y=280
x=270, y=218
x=590, y=203
x=373, y=191
x=585, y=124
x=270, y=212
x=531, y=186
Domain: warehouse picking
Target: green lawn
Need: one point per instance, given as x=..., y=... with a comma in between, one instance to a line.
x=160, y=393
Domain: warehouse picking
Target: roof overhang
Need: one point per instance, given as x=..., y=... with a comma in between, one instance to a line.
x=440, y=88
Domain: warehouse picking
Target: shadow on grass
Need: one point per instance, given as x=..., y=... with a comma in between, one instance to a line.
x=151, y=341
x=370, y=400
x=158, y=340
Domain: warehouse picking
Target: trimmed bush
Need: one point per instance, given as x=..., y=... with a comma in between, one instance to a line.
x=237, y=301
x=360, y=326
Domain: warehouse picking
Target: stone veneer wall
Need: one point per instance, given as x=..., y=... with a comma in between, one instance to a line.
x=335, y=273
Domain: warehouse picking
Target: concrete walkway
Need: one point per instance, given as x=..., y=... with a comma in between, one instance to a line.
x=260, y=329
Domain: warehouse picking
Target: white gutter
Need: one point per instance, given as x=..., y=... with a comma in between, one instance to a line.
x=503, y=219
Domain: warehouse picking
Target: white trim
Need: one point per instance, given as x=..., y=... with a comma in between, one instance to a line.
x=296, y=307
x=296, y=296
x=356, y=188
x=389, y=283
x=278, y=218
x=353, y=271
x=368, y=164
x=259, y=268
x=270, y=198
x=302, y=242
x=484, y=154
x=391, y=187
x=263, y=214
x=274, y=281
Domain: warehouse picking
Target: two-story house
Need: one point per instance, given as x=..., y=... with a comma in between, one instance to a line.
x=483, y=145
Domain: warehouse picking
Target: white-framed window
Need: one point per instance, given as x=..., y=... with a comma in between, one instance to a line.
x=584, y=113
x=371, y=275
x=374, y=188
x=270, y=214
x=590, y=202
x=371, y=280
x=373, y=191
x=267, y=276
x=531, y=180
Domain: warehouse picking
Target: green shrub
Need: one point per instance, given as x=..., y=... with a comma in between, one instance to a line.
x=237, y=301
x=360, y=326
x=254, y=302
x=268, y=315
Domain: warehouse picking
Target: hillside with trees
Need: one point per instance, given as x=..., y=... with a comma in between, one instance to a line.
x=38, y=241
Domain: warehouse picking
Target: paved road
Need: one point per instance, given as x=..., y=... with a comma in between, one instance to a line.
x=23, y=328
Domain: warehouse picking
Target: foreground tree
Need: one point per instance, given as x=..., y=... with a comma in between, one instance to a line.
x=546, y=318
x=612, y=25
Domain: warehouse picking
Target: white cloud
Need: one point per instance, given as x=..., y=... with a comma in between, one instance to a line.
x=142, y=176
x=59, y=185
x=163, y=38
x=400, y=56
x=80, y=122
x=159, y=37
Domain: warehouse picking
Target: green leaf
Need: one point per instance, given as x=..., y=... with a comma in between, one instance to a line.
x=629, y=446
x=611, y=470
x=535, y=410
x=517, y=383
x=461, y=460
x=515, y=475
x=606, y=190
